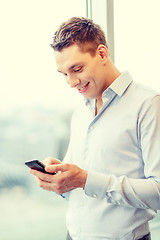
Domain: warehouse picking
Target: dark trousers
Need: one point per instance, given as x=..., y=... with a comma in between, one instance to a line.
x=146, y=237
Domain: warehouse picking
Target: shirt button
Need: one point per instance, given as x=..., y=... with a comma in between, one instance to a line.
x=91, y=128
x=95, y=195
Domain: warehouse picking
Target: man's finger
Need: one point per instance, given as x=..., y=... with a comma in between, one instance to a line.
x=57, y=167
x=50, y=161
x=43, y=176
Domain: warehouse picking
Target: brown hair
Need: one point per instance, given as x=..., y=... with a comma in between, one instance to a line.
x=81, y=31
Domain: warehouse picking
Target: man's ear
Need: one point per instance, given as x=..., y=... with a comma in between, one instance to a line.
x=103, y=52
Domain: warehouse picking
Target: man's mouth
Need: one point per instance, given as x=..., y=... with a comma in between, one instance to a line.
x=84, y=88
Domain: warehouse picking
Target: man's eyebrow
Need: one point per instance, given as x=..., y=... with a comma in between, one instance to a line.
x=74, y=65
x=71, y=67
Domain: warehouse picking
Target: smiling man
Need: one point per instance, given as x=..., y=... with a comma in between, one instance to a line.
x=111, y=172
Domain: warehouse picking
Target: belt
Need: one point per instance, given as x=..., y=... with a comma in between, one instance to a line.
x=146, y=237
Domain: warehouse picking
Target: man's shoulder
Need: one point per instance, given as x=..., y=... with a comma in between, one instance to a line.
x=141, y=92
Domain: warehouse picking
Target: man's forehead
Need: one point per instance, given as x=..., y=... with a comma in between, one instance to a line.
x=69, y=58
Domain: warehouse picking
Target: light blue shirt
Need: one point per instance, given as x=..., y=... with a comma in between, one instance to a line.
x=120, y=149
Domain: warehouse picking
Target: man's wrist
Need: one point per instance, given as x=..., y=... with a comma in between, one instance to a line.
x=84, y=178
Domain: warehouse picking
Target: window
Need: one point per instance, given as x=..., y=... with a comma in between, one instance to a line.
x=33, y=98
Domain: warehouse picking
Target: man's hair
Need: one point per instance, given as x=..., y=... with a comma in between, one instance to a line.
x=81, y=31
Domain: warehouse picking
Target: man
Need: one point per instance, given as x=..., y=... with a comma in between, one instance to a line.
x=111, y=172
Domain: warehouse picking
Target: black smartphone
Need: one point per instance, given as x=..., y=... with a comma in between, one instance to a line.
x=37, y=165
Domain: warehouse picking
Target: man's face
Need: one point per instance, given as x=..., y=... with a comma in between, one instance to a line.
x=83, y=72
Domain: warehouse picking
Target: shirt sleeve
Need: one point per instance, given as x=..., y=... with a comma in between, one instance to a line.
x=137, y=193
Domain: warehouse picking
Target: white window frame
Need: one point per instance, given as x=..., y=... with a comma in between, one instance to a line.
x=109, y=18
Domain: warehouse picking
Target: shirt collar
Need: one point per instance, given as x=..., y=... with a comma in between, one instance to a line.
x=119, y=86
x=121, y=83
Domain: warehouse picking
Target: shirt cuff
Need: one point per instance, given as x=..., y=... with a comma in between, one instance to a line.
x=96, y=185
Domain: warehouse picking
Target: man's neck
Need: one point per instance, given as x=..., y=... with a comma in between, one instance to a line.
x=98, y=106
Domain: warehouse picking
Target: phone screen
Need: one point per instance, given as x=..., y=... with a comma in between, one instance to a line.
x=37, y=165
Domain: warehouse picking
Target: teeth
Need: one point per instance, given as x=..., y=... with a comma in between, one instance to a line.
x=83, y=87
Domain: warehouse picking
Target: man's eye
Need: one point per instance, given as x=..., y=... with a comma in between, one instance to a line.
x=78, y=69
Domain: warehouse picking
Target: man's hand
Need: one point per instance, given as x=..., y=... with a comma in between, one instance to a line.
x=68, y=177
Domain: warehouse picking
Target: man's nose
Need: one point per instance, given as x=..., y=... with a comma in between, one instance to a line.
x=73, y=81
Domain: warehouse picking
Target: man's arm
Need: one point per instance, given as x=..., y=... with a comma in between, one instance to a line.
x=138, y=193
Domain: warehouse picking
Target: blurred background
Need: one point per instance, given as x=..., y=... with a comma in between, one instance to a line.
x=36, y=104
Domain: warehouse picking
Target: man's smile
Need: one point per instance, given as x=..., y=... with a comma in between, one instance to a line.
x=83, y=88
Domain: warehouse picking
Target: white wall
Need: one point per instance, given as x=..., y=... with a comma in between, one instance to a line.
x=137, y=39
